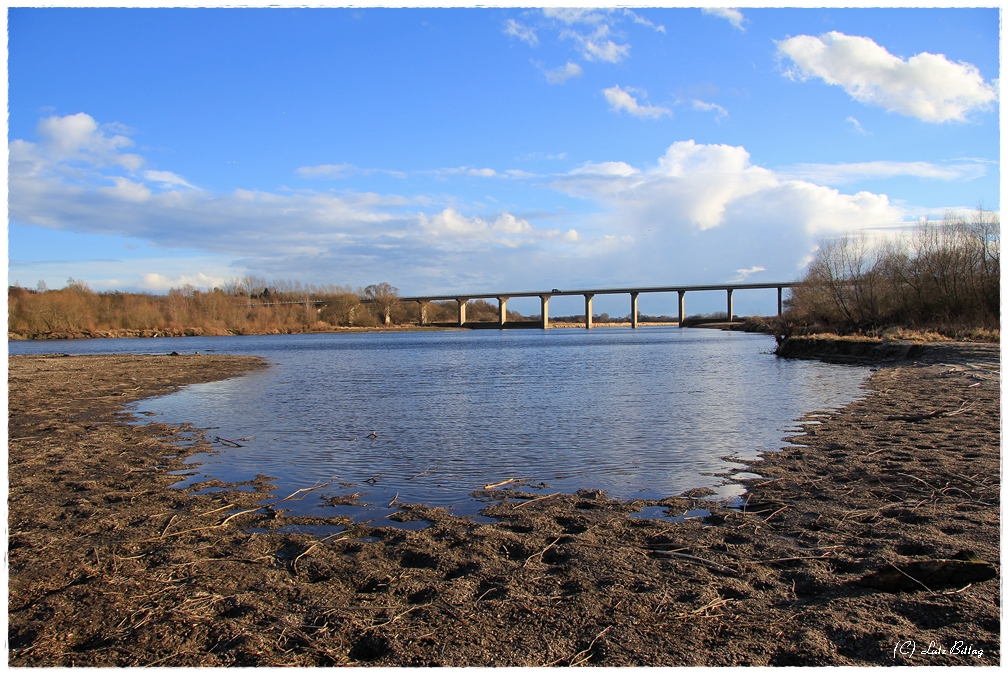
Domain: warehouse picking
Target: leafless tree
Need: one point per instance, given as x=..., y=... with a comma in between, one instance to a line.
x=384, y=297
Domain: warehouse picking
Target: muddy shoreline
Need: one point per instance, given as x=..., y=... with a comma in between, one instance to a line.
x=108, y=567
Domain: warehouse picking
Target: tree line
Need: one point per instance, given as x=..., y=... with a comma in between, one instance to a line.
x=941, y=275
x=242, y=306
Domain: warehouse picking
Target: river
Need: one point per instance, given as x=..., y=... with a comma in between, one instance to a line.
x=432, y=416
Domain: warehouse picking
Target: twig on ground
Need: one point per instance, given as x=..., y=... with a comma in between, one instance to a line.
x=542, y=552
x=775, y=513
x=189, y=531
x=585, y=655
x=168, y=525
x=538, y=498
x=698, y=560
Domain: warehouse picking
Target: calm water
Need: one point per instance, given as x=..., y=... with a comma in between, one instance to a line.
x=647, y=413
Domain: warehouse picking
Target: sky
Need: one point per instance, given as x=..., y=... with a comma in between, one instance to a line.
x=484, y=150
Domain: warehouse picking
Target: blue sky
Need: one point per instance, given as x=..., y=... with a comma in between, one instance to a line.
x=484, y=149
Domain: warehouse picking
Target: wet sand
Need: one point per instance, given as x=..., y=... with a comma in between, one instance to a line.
x=109, y=567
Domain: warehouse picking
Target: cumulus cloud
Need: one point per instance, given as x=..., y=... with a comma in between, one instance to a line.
x=709, y=210
x=719, y=112
x=926, y=86
x=621, y=99
x=72, y=145
x=838, y=174
x=563, y=73
x=732, y=16
x=706, y=185
x=522, y=32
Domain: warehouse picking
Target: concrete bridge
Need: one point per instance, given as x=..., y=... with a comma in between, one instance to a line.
x=544, y=298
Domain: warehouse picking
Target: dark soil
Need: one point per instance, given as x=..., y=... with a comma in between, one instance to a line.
x=109, y=567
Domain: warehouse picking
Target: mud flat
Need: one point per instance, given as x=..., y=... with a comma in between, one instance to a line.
x=868, y=539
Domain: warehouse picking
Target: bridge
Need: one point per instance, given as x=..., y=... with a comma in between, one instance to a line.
x=589, y=294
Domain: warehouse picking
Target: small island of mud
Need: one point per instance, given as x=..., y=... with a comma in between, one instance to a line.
x=869, y=537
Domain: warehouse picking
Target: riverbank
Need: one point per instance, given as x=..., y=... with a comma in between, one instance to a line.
x=108, y=567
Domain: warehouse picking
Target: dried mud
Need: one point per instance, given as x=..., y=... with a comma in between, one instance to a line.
x=109, y=567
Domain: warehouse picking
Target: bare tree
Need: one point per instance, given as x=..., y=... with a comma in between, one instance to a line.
x=384, y=297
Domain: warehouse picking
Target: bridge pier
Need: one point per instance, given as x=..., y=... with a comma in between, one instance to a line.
x=633, y=309
x=780, y=301
x=544, y=300
x=502, y=311
x=682, y=307
x=423, y=312
x=461, y=311
x=731, y=305
x=588, y=311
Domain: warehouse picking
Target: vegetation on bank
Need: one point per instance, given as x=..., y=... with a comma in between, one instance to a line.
x=243, y=306
x=940, y=279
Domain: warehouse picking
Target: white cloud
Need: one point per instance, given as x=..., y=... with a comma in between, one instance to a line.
x=732, y=16
x=858, y=127
x=519, y=174
x=327, y=171
x=461, y=232
x=926, y=86
x=838, y=174
x=340, y=171
x=572, y=15
x=563, y=73
x=710, y=212
x=621, y=99
x=159, y=283
x=706, y=185
x=522, y=32
x=597, y=46
x=719, y=112
x=644, y=22
x=77, y=138
x=606, y=168
x=746, y=273
x=357, y=235
x=166, y=178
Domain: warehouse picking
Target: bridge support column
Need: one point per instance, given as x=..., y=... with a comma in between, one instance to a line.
x=544, y=299
x=588, y=311
x=423, y=312
x=461, y=312
x=731, y=305
x=633, y=309
x=780, y=301
x=682, y=307
x=502, y=311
